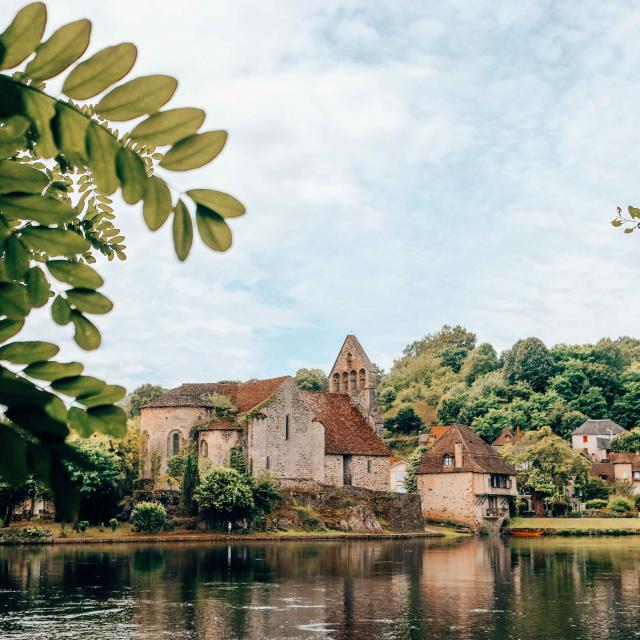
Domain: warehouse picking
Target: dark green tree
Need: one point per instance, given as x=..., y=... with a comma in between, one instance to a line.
x=406, y=421
x=627, y=442
x=140, y=396
x=529, y=361
x=591, y=403
x=60, y=161
x=12, y=497
x=626, y=409
x=224, y=494
x=411, y=476
x=311, y=380
x=190, y=478
x=483, y=359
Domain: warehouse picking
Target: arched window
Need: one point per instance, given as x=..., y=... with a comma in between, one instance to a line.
x=352, y=380
x=345, y=382
x=204, y=449
x=174, y=444
x=447, y=460
x=336, y=382
x=286, y=427
x=349, y=361
x=362, y=379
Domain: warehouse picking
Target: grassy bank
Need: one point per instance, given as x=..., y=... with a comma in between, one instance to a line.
x=577, y=526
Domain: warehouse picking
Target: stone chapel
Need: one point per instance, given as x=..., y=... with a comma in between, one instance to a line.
x=326, y=437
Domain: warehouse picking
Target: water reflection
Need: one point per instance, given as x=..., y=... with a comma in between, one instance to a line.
x=480, y=589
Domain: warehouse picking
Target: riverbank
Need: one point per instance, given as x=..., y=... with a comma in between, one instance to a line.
x=125, y=534
x=575, y=526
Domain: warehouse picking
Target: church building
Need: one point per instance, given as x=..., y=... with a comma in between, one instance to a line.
x=326, y=437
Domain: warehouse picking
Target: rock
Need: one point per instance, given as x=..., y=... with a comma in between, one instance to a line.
x=360, y=518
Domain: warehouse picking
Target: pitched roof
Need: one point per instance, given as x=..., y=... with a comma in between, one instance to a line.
x=598, y=428
x=244, y=395
x=345, y=429
x=394, y=461
x=626, y=458
x=477, y=455
x=507, y=436
x=356, y=346
x=220, y=426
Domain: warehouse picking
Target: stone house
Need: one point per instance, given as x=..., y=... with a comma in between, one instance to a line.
x=593, y=438
x=296, y=436
x=464, y=479
x=619, y=467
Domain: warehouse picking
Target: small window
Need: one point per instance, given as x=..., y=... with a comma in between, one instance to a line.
x=268, y=463
x=204, y=449
x=636, y=475
x=585, y=438
x=175, y=444
x=369, y=465
x=286, y=427
x=500, y=481
x=447, y=460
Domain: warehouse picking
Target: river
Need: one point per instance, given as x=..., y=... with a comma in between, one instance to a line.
x=554, y=588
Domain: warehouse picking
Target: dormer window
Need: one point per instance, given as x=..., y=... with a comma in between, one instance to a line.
x=447, y=460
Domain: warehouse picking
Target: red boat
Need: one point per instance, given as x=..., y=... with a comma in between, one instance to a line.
x=526, y=534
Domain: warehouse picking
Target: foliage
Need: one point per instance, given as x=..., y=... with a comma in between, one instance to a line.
x=266, y=496
x=405, y=421
x=189, y=482
x=597, y=503
x=594, y=489
x=83, y=525
x=626, y=408
x=60, y=161
x=387, y=397
x=483, y=359
x=411, y=476
x=529, y=361
x=238, y=462
x=627, y=442
x=620, y=504
x=224, y=494
x=113, y=524
x=149, y=517
x=176, y=464
x=140, y=396
x=156, y=463
x=221, y=406
x=491, y=425
x=12, y=497
x=451, y=344
x=311, y=380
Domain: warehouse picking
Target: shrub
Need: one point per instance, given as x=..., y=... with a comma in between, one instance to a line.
x=175, y=465
x=83, y=525
x=266, y=496
x=224, y=494
x=113, y=523
x=28, y=535
x=596, y=503
x=149, y=517
x=620, y=504
x=190, y=478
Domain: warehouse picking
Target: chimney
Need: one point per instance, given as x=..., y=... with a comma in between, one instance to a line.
x=518, y=431
x=458, y=455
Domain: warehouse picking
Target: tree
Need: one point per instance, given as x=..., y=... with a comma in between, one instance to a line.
x=592, y=404
x=594, y=489
x=627, y=442
x=546, y=465
x=626, y=409
x=60, y=161
x=451, y=344
x=190, y=478
x=12, y=497
x=224, y=494
x=530, y=361
x=483, y=359
x=387, y=397
x=406, y=421
x=140, y=396
x=571, y=382
x=411, y=477
x=451, y=405
x=266, y=495
x=311, y=380
x=491, y=425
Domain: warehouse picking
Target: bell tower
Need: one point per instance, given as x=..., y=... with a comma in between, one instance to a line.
x=354, y=374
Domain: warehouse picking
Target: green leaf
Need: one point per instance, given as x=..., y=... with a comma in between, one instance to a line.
x=14, y=303
x=221, y=203
x=194, y=151
x=16, y=258
x=80, y=422
x=69, y=128
x=634, y=212
x=40, y=109
x=89, y=301
x=52, y=371
x=214, y=231
x=21, y=178
x=111, y=420
x=39, y=421
x=86, y=335
x=74, y=273
x=616, y=222
x=182, y=230
x=9, y=328
x=12, y=136
x=110, y=394
x=78, y=385
x=102, y=148
x=23, y=35
x=132, y=175
x=12, y=456
x=167, y=127
x=63, y=48
x=137, y=97
x=100, y=71
x=54, y=242
x=157, y=203
x=28, y=352
x=37, y=287
x=42, y=209
x=60, y=311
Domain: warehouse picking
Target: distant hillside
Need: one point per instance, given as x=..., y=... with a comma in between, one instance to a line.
x=447, y=377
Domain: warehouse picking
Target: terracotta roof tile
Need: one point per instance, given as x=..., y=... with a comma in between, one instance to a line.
x=345, y=429
x=602, y=470
x=626, y=458
x=220, y=426
x=507, y=436
x=477, y=455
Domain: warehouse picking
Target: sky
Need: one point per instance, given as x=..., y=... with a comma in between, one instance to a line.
x=404, y=165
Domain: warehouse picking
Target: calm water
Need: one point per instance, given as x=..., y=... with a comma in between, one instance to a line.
x=529, y=589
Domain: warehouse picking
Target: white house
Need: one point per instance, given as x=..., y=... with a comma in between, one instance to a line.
x=594, y=438
x=397, y=471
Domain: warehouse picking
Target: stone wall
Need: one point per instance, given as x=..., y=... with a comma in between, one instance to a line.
x=333, y=470
x=219, y=445
x=448, y=497
x=296, y=453
x=369, y=472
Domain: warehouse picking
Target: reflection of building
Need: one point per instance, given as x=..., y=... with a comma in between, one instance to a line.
x=398, y=471
x=464, y=479
x=594, y=437
x=327, y=437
